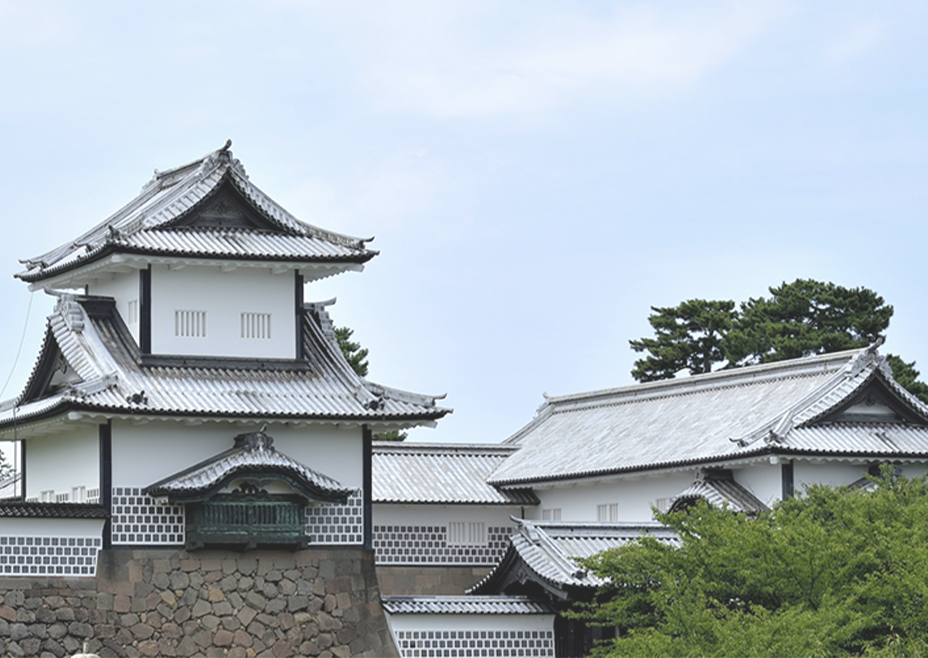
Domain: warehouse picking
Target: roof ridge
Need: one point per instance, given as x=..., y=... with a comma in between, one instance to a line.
x=805, y=365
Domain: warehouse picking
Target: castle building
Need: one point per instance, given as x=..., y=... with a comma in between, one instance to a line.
x=188, y=398
x=198, y=464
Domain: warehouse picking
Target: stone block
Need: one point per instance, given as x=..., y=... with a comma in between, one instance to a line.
x=223, y=638
x=122, y=603
x=210, y=622
x=8, y=613
x=246, y=614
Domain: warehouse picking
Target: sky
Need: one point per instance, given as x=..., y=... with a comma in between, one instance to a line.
x=537, y=174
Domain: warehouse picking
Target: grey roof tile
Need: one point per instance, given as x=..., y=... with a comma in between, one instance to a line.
x=720, y=416
x=252, y=452
x=410, y=473
x=52, y=510
x=550, y=549
x=465, y=605
x=94, y=340
x=150, y=224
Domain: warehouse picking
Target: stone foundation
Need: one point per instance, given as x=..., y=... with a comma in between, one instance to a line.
x=428, y=581
x=168, y=602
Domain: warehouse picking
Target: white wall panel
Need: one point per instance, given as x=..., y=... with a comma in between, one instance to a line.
x=223, y=296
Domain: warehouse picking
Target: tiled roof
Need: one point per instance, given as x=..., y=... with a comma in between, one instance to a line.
x=721, y=490
x=96, y=343
x=153, y=223
x=465, y=605
x=252, y=453
x=52, y=510
x=732, y=414
x=550, y=550
x=406, y=473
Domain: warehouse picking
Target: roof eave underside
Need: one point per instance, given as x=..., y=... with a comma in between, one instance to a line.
x=765, y=451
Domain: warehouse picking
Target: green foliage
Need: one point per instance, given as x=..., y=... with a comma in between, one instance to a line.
x=357, y=359
x=687, y=336
x=806, y=317
x=907, y=376
x=833, y=573
x=354, y=353
x=801, y=318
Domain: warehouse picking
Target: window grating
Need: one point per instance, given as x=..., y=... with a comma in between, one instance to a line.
x=133, y=313
x=190, y=324
x=467, y=533
x=399, y=544
x=256, y=325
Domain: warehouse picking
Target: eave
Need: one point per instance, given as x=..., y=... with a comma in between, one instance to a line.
x=69, y=411
x=107, y=262
x=767, y=451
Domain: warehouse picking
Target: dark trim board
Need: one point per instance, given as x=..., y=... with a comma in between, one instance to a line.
x=106, y=478
x=145, y=311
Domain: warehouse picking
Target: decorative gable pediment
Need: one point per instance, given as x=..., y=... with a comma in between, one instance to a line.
x=226, y=208
x=51, y=374
x=875, y=403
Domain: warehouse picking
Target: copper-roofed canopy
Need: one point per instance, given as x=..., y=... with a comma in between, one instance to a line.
x=207, y=210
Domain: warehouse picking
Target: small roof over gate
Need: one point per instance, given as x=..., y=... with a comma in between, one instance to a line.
x=255, y=461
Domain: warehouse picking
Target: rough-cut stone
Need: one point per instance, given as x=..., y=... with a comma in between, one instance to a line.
x=166, y=602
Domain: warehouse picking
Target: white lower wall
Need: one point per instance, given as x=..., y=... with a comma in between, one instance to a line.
x=422, y=534
x=59, y=462
x=473, y=635
x=49, y=547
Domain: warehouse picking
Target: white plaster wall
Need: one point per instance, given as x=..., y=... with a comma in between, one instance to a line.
x=11, y=527
x=441, y=515
x=471, y=622
x=831, y=473
x=123, y=288
x=145, y=454
x=635, y=496
x=334, y=451
x=61, y=461
x=764, y=480
x=224, y=296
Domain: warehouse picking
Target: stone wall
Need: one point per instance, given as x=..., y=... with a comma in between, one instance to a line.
x=428, y=581
x=168, y=602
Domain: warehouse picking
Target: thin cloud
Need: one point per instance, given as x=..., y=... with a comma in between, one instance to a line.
x=856, y=40
x=444, y=67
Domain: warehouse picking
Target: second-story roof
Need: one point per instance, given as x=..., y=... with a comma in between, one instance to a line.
x=87, y=339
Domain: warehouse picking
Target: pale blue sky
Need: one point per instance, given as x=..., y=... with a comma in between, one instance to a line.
x=537, y=174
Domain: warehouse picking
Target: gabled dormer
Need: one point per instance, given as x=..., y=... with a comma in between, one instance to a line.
x=202, y=263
